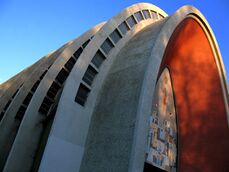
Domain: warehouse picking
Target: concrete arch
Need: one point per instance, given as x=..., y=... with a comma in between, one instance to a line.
x=73, y=142
x=153, y=70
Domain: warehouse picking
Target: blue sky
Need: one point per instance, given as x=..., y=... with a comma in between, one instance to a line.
x=31, y=29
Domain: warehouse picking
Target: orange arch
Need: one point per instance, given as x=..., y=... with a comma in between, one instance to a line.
x=202, y=120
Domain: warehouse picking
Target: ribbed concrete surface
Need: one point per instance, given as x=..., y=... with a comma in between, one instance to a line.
x=110, y=137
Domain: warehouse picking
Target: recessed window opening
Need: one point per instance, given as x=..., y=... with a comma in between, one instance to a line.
x=107, y=46
x=89, y=75
x=85, y=43
x=43, y=74
x=78, y=53
x=154, y=14
x=53, y=90
x=82, y=94
x=70, y=64
x=62, y=76
x=123, y=27
x=98, y=59
x=27, y=99
x=20, y=112
x=1, y=115
x=45, y=106
x=15, y=93
x=161, y=16
x=35, y=85
x=146, y=14
x=7, y=105
x=115, y=36
x=131, y=21
x=139, y=16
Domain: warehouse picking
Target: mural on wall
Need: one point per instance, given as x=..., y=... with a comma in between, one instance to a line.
x=162, y=139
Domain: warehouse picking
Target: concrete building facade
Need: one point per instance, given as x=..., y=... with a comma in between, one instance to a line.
x=143, y=91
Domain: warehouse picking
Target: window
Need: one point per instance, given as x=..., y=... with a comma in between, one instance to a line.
x=82, y=94
x=70, y=63
x=161, y=16
x=43, y=74
x=107, y=46
x=131, y=21
x=15, y=93
x=78, y=52
x=115, y=36
x=154, y=14
x=85, y=43
x=98, y=59
x=7, y=105
x=1, y=115
x=123, y=27
x=89, y=75
x=146, y=14
x=45, y=106
x=139, y=16
x=62, y=76
x=54, y=88
x=27, y=99
x=33, y=89
x=20, y=112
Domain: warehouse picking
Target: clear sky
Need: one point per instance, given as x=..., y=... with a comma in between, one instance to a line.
x=30, y=29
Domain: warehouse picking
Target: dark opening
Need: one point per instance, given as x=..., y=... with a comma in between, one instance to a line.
x=98, y=59
x=150, y=168
x=146, y=14
x=54, y=88
x=89, y=75
x=78, y=52
x=70, y=63
x=45, y=106
x=123, y=27
x=82, y=94
x=115, y=36
x=131, y=21
x=62, y=76
x=107, y=46
x=27, y=99
x=85, y=43
x=138, y=16
x=33, y=89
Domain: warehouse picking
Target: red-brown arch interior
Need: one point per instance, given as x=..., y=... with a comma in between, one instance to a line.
x=202, y=121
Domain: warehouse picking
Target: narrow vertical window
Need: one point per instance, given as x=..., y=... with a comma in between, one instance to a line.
x=146, y=14
x=138, y=16
x=154, y=15
x=85, y=43
x=107, y=46
x=89, y=75
x=123, y=27
x=78, y=53
x=82, y=94
x=131, y=21
x=98, y=59
x=62, y=76
x=53, y=90
x=70, y=63
x=115, y=36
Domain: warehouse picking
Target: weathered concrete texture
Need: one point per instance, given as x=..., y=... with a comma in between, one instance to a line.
x=111, y=132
